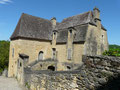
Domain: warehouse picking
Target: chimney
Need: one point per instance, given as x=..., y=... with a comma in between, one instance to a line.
x=53, y=21
x=96, y=14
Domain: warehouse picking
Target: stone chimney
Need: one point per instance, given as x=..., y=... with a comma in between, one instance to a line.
x=96, y=14
x=53, y=20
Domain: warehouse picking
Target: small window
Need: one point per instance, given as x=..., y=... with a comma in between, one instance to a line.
x=69, y=54
x=103, y=38
x=54, y=35
x=54, y=53
x=12, y=52
x=20, y=64
x=40, y=56
x=70, y=33
x=68, y=67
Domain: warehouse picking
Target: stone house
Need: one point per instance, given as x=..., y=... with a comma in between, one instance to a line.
x=48, y=44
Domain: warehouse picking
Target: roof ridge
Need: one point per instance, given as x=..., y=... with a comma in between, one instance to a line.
x=20, y=24
x=17, y=31
x=75, y=15
x=35, y=16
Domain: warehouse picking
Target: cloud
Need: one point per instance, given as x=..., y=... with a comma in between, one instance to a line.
x=5, y=1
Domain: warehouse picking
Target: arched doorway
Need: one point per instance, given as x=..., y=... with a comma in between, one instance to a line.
x=51, y=68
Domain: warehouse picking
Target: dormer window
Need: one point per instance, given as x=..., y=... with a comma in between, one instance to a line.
x=70, y=31
x=54, y=34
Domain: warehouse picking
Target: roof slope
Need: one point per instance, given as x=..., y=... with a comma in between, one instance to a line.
x=81, y=32
x=75, y=20
x=38, y=28
x=33, y=27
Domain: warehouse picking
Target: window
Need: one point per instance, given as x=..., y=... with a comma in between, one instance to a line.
x=68, y=67
x=54, y=35
x=54, y=53
x=12, y=52
x=40, y=56
x=70, y=33
x=20, y=64
x=103, y=38
x=69, y=56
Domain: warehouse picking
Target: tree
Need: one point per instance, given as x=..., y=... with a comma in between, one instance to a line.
x=4, y=54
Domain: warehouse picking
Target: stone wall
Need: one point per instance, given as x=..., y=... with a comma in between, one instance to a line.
x=32, y=49
x=96, y=41
x=97, y=73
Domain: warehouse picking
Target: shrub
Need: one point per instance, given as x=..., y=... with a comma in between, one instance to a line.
x=114, y=50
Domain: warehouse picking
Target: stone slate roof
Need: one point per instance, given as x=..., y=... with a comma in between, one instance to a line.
x=62, y=36
x=75, y=20
x=33, y=27
x=80, y=31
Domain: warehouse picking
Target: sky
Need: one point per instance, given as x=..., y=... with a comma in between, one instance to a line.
x=11, y=10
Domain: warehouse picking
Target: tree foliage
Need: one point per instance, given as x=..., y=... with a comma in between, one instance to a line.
x=114, y=50
x=4, y=54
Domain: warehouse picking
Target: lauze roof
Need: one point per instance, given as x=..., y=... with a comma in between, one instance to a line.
x=32, y=27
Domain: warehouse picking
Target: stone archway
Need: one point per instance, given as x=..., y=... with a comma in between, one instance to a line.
x=51, y=68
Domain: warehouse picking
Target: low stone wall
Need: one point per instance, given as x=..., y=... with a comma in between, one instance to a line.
x=97, y=73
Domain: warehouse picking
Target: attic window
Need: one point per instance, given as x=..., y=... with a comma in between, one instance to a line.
x=54, y=35
x=70, y=33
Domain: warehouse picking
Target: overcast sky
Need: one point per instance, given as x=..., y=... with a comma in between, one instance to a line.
x=11, y=10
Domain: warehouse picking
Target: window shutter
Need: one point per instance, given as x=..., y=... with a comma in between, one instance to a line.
x=69, y=53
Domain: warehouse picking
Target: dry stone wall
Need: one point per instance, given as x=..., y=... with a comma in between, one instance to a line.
x=97, y=73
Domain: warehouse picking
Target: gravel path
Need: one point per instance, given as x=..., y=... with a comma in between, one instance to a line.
x=9, y=84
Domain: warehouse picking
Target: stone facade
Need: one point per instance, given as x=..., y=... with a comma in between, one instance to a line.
x=50, y=44
x=96, y=73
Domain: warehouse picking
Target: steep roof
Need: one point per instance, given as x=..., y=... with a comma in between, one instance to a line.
x=33, y=27
x=80, y=31
x=38, y=28
x=75, y=20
